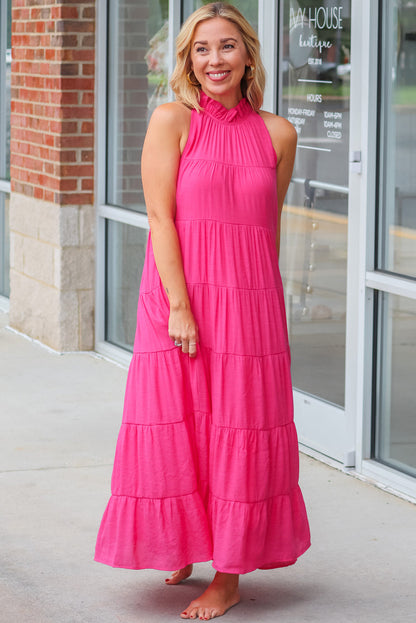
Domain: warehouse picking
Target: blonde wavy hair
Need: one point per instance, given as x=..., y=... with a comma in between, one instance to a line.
x=183, y=81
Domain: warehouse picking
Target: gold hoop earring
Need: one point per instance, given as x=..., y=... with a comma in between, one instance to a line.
x=188, y=77
x=253, y=71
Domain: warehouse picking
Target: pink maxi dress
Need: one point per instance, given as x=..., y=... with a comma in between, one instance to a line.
x=207, y=463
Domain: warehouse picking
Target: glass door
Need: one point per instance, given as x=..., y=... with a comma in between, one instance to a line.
x=314, y=94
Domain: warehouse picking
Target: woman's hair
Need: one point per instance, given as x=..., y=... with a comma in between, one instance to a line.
x=184, y=82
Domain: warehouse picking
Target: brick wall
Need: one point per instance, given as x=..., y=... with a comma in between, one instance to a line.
x=52, y=109
x=52, y=219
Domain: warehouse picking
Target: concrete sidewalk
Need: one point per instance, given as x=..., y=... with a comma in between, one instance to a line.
x=60, y=416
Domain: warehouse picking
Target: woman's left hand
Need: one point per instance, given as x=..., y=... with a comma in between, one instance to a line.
x=183, y=330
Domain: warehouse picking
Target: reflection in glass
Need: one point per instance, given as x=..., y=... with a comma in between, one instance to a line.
x=249, y=8
x=396, y=374
x=313, y=262
x=137, y=83
x=397, y=223
x=5, y=77
x=4, y=245
x=314, y=95
x=125, y=252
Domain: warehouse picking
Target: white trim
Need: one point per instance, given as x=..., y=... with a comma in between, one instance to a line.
x=5, y=187
x=331, y=441
x=390, y=479
x=374, y=473
x=392, y=284
x=114, y=353
x=361, y=227
x=121, y=215
x=268, y=37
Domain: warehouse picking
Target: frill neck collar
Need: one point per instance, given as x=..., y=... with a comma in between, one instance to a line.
x=226, y=115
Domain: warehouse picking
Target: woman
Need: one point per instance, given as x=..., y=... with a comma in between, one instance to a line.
x=206, y=465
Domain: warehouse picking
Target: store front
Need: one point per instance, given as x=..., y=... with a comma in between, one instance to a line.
x=344, y=73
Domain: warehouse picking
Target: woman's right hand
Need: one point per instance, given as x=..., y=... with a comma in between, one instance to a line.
x=183, y=330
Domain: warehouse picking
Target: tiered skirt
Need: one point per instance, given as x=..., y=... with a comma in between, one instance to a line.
x=206, y=464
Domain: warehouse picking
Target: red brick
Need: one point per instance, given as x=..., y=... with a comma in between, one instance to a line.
x=76, y=55
x=23, y=189
x=88, y=69
x=78, y=84
x=65, y=12
x=78, y=26
x=63, y=41
x=64, y=97
x=87, y=155
x=69, y=69
x=77, y=113
x=68, y=156
x=38, y=192
x=39, y=53
x=88, y=13
x=53, y=99
x=88, y=99
x=87, y=127
x=77, y=170
x=75, y=198
x=68, y=184
x=87, y=184
x=49, y=168
x=64, y=127
x=88, y=41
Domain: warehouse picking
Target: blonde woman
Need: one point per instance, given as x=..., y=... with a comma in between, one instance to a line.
x=206, y=465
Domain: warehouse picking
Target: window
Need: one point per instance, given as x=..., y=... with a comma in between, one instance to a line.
x=395, y=423
x=5, y=73
x=397, y=188
x=137, y=83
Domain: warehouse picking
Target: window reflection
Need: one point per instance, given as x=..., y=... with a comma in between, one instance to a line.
x=397, y=224
x=314, y=94
x=396, y=422
x=4, y=245
x=125, y=252
x=249, y=8
x=137, y=83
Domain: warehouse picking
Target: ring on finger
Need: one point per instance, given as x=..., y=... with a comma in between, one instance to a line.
x=177, y=343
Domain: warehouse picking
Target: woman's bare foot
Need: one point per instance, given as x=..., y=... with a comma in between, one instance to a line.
x=181, y=574
x=219, y=597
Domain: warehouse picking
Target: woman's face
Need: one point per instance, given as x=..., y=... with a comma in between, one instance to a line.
x=219, y=59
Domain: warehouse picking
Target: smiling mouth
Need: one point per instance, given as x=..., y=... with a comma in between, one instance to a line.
x=217, y=75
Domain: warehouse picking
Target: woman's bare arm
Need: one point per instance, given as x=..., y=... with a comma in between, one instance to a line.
x=284, y=139
x=162, y=148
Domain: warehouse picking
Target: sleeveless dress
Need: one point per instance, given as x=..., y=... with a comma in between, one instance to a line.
x=206, y=464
